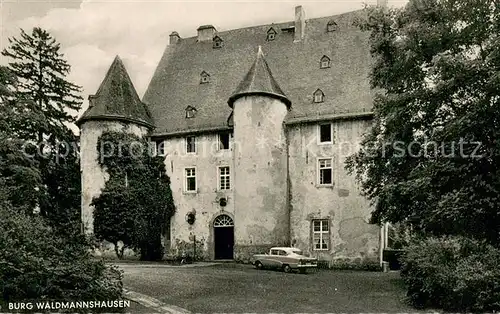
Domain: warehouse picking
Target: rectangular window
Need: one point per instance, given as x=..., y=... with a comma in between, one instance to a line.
x=325, y=133
x=190, y=174
x=191, y=144
x=224, y=140
x=321, y=234
x=224, y=178
x=325, y=171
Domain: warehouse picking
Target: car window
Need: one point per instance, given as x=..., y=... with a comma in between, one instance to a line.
x=281, y=252
x=274, y=252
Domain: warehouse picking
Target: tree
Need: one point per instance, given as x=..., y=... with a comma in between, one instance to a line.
x=49, y=99
x=8, y=82
x=38, y=264
x=432, y=156
x=136, y=203
x=46, y=103
x=19, y=177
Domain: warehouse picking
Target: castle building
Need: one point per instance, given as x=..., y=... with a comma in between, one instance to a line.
x=255, y=125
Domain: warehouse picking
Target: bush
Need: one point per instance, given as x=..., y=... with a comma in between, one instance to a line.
x=36, y=265
x=186, y=250
x=452, y=273
x=357, y=264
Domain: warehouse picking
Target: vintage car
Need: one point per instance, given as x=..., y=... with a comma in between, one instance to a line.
x=285, y=258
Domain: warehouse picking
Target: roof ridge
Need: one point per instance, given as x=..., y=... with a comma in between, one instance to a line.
x=279, y=23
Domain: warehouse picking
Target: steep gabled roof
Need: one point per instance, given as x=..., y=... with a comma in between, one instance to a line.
x=259, y=80
x=176, y=81
x=117, y=99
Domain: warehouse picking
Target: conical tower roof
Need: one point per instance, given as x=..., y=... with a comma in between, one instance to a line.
x=117, y=99
x=259, y=81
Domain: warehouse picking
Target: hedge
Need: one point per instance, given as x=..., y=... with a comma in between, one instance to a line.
x=452, y=273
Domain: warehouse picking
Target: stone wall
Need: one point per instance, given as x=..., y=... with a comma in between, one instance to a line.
x=351, y=236
x=205, y=202
x=272, y=207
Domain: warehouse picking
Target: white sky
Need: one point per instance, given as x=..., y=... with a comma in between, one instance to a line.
x=92, y=32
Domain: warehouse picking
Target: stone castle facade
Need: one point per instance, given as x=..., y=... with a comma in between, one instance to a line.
x=255, y=125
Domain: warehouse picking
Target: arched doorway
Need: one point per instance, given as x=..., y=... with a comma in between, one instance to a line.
x=223, y=237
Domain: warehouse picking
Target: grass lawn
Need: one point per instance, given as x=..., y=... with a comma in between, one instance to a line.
x=240, y=288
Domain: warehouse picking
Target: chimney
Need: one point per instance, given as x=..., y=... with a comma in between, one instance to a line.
x=382, y=4
x=300, y=23
x=206, y=33
x=174, y=38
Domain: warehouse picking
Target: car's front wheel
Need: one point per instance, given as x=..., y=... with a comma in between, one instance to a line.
x=258, y=265
x=287, y=268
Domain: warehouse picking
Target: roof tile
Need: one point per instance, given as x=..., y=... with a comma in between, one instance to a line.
x=296, y=66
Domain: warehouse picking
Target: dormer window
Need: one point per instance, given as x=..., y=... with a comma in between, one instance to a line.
x=271, y=34
x=190, y=112
x=318, y=96
x=324, y=62
x=204, y=78
x=331, y=26
x=218, y=42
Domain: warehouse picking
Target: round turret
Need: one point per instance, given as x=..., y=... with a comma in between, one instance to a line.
x=260, y=157
x=115, y=107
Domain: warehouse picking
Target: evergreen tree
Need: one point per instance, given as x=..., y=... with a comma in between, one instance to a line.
x=42, y=90
x=46, y=104
x=19, y=177
x=432, y=157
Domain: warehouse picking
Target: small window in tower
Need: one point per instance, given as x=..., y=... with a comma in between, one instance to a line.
x=190, y=112
x=204, y=78
x=318, y=96
x=331, y=26
x=271, y=34
x=218, y=42
x=324, y=62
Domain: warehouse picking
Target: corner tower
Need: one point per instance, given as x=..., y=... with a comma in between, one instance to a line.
x=115, y=107
x=262, y=217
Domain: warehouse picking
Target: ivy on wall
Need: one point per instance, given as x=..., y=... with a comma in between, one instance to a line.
x=136, y=203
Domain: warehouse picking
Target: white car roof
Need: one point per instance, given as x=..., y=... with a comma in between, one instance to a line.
x=288, y=249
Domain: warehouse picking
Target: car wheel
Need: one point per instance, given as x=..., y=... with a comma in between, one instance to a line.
x=302, y=270
x=287, y=268
x=258, y=265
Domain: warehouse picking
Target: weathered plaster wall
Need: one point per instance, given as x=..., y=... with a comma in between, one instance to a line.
x=261, y=212
x=348, y=212
x=205, y=202
x=93, y=177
